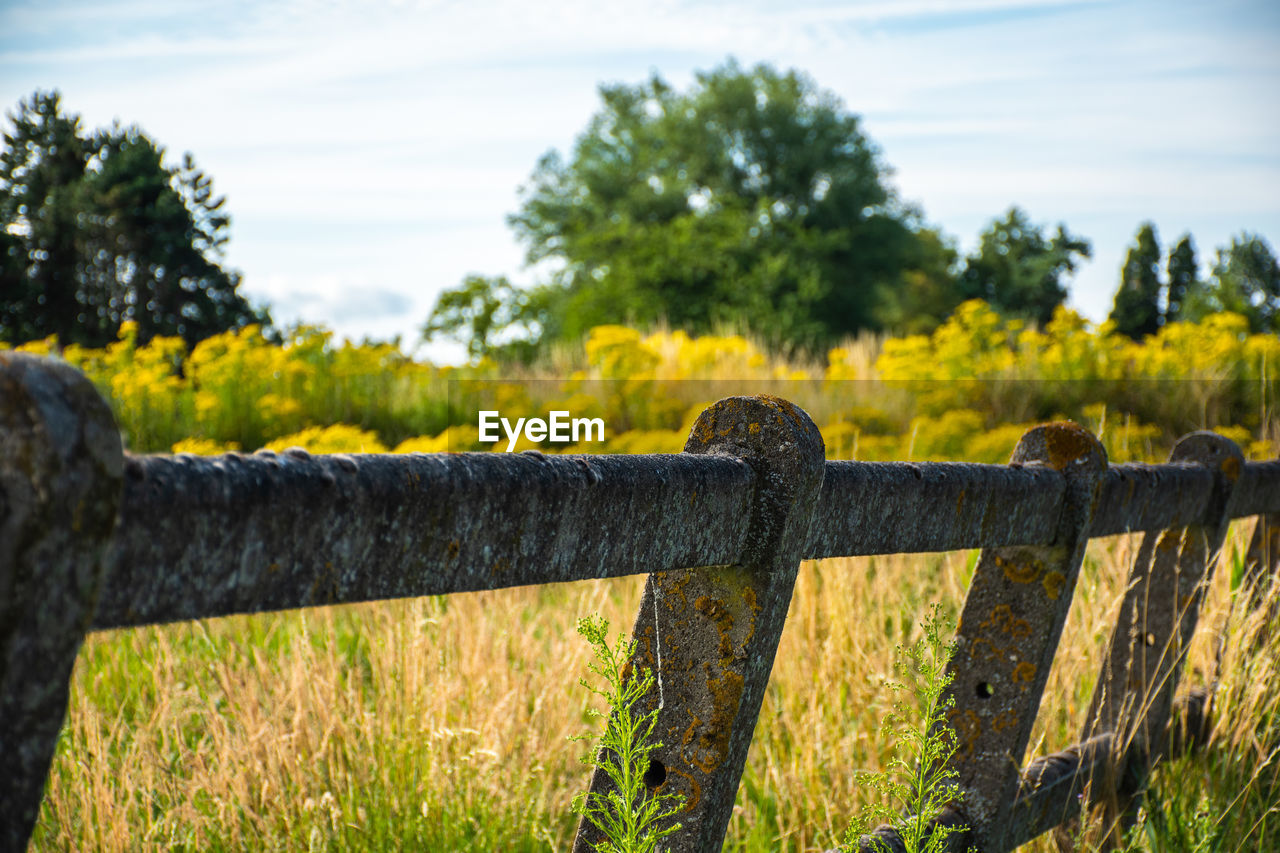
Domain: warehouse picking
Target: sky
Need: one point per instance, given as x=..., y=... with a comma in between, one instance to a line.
x=371, y=151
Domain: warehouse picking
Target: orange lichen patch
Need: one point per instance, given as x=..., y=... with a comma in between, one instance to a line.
x=785, y=407
x=968, y=729
x=682, y=581
x=694, y=723
x=1004, y=720
x=502, y=564
x=644, y=652
x=753, y=428
x=1231, y=467
x=689, y=787
x=702, y=431
x=712, y=740
x=1020, y=569
x=982, y=648
x=792, y=412
x=452, y=549
x=1002, y=619
x=1024, y=673
x=1066, y=442
x=1053, y=583
x=715, y=610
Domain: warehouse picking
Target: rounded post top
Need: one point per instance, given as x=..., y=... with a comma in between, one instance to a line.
x=1211, y=450
x=48, y=400
x=1063, y=446
x=785, y=451
x=755, y=426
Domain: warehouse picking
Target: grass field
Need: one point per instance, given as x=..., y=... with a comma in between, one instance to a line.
x=443, y=723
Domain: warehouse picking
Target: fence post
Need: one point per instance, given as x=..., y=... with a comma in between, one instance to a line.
x=710, y=634
x=1157, y=618
x=1009, y=631
x=60, y=476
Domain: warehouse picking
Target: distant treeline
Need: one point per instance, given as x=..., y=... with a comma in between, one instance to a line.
x=752, y=202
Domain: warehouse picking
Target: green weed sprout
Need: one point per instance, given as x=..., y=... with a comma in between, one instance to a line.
x=629, y=815
x=918, y=779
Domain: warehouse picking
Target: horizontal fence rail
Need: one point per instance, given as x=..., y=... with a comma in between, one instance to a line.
x=95, y=539
x=203, y=537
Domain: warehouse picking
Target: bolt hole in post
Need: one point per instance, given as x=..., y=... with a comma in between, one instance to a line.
x=985, y=690
x=655, y=775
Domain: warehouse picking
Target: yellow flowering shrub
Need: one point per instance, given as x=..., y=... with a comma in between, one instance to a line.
x=705, y=357
x=856, y=360
x=618, y=352
x=639, y=441
x=946, y=436
x=1184, y=376
x=994, y=446
x=967, y=391
x=841, y=439
x=203, y=447
x=338, y=438
x=424, y=444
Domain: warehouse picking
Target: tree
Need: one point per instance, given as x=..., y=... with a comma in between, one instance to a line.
x=926, y=292
x=43, y=161
x=753, y=199
x=1247, y=281
x=1019, y=270
x=481, y=309
x=1184, y=277
x=101, y=231
x=1136, y=311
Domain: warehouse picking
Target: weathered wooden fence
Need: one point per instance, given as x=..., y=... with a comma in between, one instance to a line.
x=91, y=539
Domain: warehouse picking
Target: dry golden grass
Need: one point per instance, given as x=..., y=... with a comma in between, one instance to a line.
x=443, y=723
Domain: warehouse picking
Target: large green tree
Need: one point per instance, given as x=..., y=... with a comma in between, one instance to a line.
x=753, y=199
x=1136, y=311
x=1020, y=269
x=99, y=230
